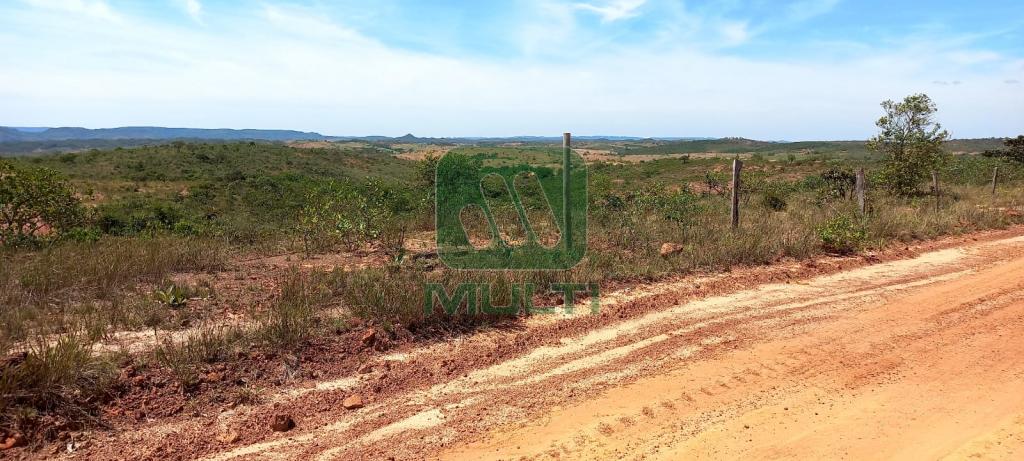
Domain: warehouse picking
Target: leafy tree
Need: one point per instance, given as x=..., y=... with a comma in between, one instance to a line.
x=911, y=140
x=1014, y=152
x=1016, y=146
x=34, y=202
x=426, y=170
x=838, y=182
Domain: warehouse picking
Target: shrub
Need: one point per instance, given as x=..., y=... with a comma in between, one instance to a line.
x=350, y=214
x=35, y=202
x=774, y=201
x=775, y=194
x=838, y=182
x=842, y=234
x=680, y=207
x=82, y=235
x=172, y=296
x=140, y=215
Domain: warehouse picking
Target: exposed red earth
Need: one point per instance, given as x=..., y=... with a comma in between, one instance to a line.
x=910, y=353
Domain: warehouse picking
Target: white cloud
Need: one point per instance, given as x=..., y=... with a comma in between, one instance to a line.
x=971, y=57
x=306, y=23
x=93, y=8
x=734, y=32
x=613, y=10
x=193, y=8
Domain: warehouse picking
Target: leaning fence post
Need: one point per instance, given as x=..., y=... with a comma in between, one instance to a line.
x=935, y=188
x=736, y=166
x=859, y=188
x=995, y=179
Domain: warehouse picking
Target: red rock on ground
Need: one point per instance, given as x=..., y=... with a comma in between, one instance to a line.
x=368, y=337
x=668, y=249
x=353, y=402
x=12, y=441
x=229, y=437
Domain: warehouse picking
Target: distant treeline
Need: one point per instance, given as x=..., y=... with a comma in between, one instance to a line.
x=13, y=148
x=745, y=146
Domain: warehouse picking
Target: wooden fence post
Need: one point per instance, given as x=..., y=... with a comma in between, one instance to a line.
x=859, y=187
x=935, y=188
x=995, y=179
x=736, y=166
x=566, y=191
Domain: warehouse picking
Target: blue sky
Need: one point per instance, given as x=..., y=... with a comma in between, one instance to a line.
x=802, y=69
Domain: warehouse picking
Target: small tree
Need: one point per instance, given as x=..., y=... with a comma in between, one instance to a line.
x=33, y=202
x=911, y=140
x=1016, y=148
x=1014, y=152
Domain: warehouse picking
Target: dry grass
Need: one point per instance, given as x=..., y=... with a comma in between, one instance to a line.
x=62, y=381
x=91, y=287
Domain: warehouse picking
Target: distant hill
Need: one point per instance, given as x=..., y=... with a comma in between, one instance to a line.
x=8, y=134
x=40, y=140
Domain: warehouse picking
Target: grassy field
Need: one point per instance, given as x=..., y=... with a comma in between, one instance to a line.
x=209, y=255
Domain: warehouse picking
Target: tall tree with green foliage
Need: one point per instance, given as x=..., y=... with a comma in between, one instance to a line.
x=911, y=140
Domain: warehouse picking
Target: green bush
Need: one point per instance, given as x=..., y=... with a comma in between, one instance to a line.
x=775, y=195
x=35, y=203
x=842, y=234
x=139, y=215
x=82, y=235
x=838, y=182
x=349, y=214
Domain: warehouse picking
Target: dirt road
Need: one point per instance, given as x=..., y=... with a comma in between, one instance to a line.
x=914, y=358
x=925, y=367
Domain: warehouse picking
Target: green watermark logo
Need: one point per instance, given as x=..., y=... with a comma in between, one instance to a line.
x=527, y=208
x=540, y=184
x=477, y=298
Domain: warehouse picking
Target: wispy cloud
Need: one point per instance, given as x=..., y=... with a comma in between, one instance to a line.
x=614, y=10
x=193, y=8
x=971, y=57
x=305, y=22
x=734, y=32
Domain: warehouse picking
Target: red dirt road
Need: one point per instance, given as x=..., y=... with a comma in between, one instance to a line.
x=916, y=358
x=934, y=372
